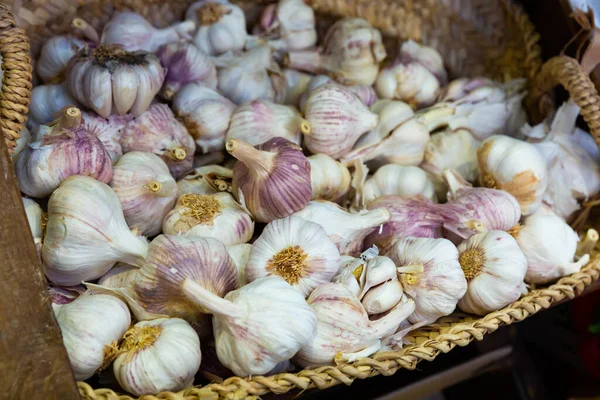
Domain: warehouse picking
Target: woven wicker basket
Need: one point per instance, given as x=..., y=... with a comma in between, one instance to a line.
x=475, y=37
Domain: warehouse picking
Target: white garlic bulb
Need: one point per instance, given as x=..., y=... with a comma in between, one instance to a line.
x=146, y=190
x=329, y=179
x=86, y=233
x=158, y=355
x=22, y=141
x=133, y=32
x=210, y=215
x=240, y=254
x=260, y=120
x=393, y=179
x=516, y=167
x=338, y=118
x=108, y=130
x=279, y=318
x=55, y=55
x=431, y=275
x=119, y=276
x=91, y=327
x=296, y=250
x=549, y=244
x=35, y=217
x=297, y=83
x=46, y=101
x=205, y=113
x=495, y=267
x=344, y=331
x=209, y=179
x=346, y=230
x=221, y=26
x=288, y=25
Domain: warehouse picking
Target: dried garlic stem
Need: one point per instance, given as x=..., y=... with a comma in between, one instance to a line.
x=178, y=153
x=589, y=242
x=86, y=29
x=257, y=161
x=210, y=301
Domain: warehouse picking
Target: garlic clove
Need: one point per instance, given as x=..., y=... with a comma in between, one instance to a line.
x=379, y=269
x=119, y=276
x=391, y=114
x=98, y=90
x=295, y=249
x=398, y=180
x=329, y=179
x=124, y=82
x=35, y=217
x=382, y=298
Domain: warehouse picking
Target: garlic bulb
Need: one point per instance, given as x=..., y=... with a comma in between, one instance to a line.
x=107, y=130
x=173, y=342
x=205, y=114
x=86, y=233
x=221, y=26
x=171, y=261
x=289, y=25
x=22, y=142
x=59, y=296
x=276, y=314
x=392, y=114
x=516, y=167
x=46, y=101
x=240, y=254
x=271, y=180
x=351, y=52
x=549, y=244
x=393, y=179
x=109, y=79
x=415, y=76
x=91, y=327
x=210, y=215
x=35, y=217
x=55, y=55
x=202, y=180
x=260, y=120
x=296, y=250
x=329, y=179
x=252, y=75
x=185, y=64
x=66, y=149
x=344, y=331
x=158, y=131
x=120, y=276
x=494, y=267
x=297, y=83
x=146, y=190
x=465, y=89
x=131, y=31
x=430, y=274
x=338, y=119
x=347, y=231
x=365, y=93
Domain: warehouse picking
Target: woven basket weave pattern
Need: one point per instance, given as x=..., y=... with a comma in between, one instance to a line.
x=475, y=37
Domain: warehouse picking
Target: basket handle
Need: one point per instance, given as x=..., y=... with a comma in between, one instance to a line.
x=568, y=72
x=16, y=81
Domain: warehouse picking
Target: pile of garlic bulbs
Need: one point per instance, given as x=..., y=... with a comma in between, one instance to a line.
x=286, y=204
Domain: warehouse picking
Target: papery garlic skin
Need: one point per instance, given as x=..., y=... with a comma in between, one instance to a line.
x=221, y=26
x=297, y=250
x=119, y=276
x=55, y=55
x=146, y=190
x=210, y=215
x=205, y=113
x=549, y=244
x=185, y=64
x=495, y=267
x=91, y=327
x=329, y=179
x=170, y=340
x=392, y=179
x=279, y=318
x=46, y=101
x=516, y=167
x=59, y=296
x=346, y=230
x=158, y=131
x=107, y=130
x=289, y=25
x=240, y=254
x=134, y=33
x=338, y=118
x=431, y=275
x=85, y=217
x=271, y=180
x=22, y=141
x=34, y=217
x=197, y=181
x=260, y=120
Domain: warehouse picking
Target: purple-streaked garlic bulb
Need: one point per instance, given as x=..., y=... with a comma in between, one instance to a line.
x=288, y=25
x=260, y=120
x=46, y=101
x=55, y=55
x=108, y=130
x=185, y=64
x=158, y=131
x=252, y=75
x=67, y=149
x=414, y=77
x=134, y=32
x=173, y=259
x=271, y=180
x=365, y=93
x=296, y=250
x=146, y=190
x=109, y=79
x=351, y=53
x=205, y=113
x=338, y=118
x=221, y=26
